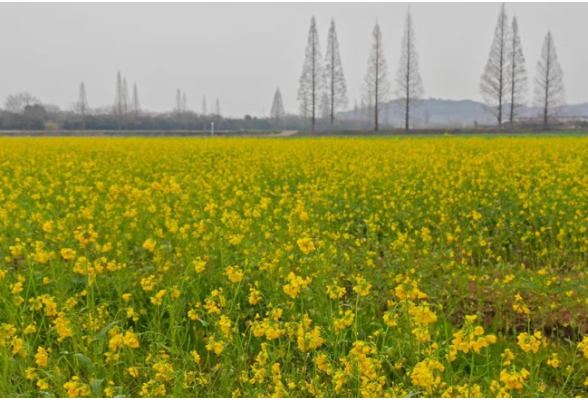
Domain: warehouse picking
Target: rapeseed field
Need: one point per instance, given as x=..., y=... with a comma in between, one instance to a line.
x=447, y=267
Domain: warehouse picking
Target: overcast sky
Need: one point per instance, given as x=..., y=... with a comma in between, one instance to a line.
x=241, y=52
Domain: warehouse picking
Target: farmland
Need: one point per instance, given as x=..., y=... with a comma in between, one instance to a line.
x=294, y=267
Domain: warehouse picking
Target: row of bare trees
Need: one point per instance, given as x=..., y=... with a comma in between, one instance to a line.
x=504, y=81
x=181, y=105
x=183, y=114
x=323, y=88
x=126, y=107
x=408, y=83
x=322, y=85
x=204, y=109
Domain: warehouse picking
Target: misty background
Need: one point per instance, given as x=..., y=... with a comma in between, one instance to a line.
x=239, y=53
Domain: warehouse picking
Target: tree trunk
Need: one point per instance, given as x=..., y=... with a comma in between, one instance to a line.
x=406, y=126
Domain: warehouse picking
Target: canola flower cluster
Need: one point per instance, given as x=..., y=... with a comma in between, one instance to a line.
x=448, y=267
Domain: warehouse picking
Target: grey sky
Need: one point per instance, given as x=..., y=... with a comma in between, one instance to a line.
x=241, y=52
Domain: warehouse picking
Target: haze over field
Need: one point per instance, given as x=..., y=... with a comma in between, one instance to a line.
x=240, y=53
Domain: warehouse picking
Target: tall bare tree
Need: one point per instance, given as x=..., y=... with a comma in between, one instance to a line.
x=518, y=73
x=181, y=108
x=494, y=83
x=277, y=112
x=204, y=110
x=125, y=99
x=118, y=108
x=409, y=86
x=178, y=109
x=136, y=102
x=549, y=87
x=218, y=108
x=311, y=80
x=335, y=85
x=376, y=85
x=121, y=101
x=81, y=106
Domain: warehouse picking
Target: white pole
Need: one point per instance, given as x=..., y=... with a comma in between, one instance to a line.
x=212, y=129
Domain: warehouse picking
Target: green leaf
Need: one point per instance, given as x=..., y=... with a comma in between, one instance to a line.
x=104, y=331
x=96, y=386
x=86, y=362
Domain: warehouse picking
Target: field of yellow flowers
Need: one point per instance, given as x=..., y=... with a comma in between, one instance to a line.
x=307, y=267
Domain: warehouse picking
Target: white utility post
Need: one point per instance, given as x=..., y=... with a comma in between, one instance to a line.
x=212, y=129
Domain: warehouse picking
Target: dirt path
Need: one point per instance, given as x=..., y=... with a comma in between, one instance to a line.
x=283, y=134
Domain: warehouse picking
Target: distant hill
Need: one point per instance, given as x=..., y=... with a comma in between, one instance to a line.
x=433, y=113
x=576, y=110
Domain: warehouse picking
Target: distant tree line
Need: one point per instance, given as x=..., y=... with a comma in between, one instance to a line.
x=38, y=116
x=322, y=92
x=23, y=111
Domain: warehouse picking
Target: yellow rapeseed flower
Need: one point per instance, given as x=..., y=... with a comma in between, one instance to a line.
x=42, y=357
x=583, y=346
x=235, y=274
x=149, y=245
x=306, y=245
x=362, y=287
x=514, y=379
x=68, y=254
x=529, y=342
